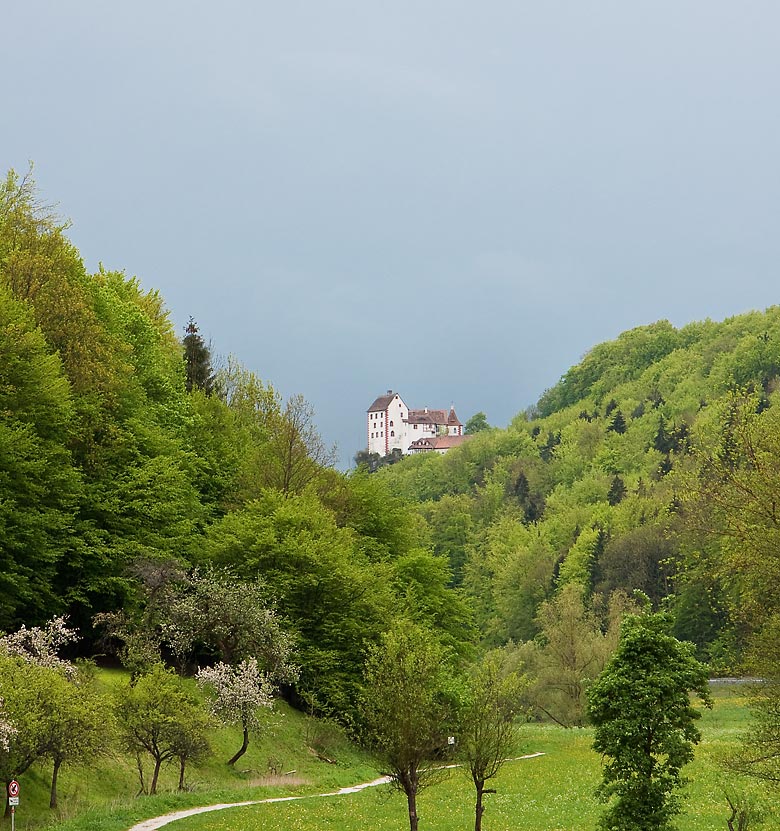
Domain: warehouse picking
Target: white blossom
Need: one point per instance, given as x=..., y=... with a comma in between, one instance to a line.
x=40, y=645
x=230, y=615
x=7, y=730
x=238, y=693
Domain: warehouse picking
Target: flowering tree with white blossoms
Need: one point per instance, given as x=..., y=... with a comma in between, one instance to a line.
x=231, y=618
x=40, y=645
x=47, y=709
x=238, y=694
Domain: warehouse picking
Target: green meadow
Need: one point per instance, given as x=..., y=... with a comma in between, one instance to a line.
x=553, y=792
x=102, y=796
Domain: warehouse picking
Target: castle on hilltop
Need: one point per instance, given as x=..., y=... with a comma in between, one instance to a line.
x=391, y=425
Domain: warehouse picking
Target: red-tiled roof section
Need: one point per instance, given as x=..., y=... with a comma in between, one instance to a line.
x=427, y=417
x=452, y=419
x=438, y=442
x=382, y=403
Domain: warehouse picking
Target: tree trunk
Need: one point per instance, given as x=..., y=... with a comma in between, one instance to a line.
x=182, y=765
x=479, y=808
x=242, y=750
x=140, y=768
x=153, y=786
x=411, y=799
x=54, y=774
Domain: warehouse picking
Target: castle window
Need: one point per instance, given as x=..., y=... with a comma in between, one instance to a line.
x=391, y=422
x=392, y=432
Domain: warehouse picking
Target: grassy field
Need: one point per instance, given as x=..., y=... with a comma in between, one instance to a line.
x=102, y=796
x=553, y=792
x=547, y=793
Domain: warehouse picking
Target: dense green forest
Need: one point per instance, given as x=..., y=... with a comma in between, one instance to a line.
x=648, y=466
x=651, y=465
x=178, y=512
x=127, y=459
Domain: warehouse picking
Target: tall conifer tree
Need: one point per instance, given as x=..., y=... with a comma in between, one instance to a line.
x=197, y=361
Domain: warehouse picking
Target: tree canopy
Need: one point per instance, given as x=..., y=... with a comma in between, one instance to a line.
x=645, y=724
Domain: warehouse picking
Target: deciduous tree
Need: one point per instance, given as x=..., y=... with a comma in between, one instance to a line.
x=213, y=611
x=571, y=650
x=759, y=754
x=408, y=708
x=156, y=716
x=39, y=485
x=487, y=734
x=24, y=690
x=238, y=695
x=297, y=451
x=476, y=424
x=733, y=497
x=76, y=727
x=645, y=724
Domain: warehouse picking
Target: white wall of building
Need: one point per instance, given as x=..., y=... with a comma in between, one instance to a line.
x=379, y=428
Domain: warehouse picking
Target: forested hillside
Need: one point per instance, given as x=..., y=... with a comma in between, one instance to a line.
x=127, y=461
x=654, y=464
x=651, y=465
x=184, y=519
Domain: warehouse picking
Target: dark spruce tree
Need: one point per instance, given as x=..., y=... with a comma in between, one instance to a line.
x=197, y=361
x=618, y=423
x=617, y=490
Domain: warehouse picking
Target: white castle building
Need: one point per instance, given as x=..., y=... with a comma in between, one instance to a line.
x=391, y=425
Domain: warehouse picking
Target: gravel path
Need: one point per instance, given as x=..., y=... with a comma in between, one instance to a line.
x=158, y=822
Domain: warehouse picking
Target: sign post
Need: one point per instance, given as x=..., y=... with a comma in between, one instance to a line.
x=13, y=800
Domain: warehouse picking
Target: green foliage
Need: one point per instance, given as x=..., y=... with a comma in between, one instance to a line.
x=215, y=613
x=492, y=701
x=333, y=597
x=159, y=717
x=617, y=490
x=731, y=496
x=638, y=559
x=609, y=364
x=296, y=449
x=645, y=724
x=422, y=584
x=509, y=574
x=372, y=462
x=385, y=525
x=39, y=486
x=77, y=726
x=452, y=527
x=476, y=424
x=408, y=707
x=25, y=690
x=758, y=756
x=575, y=642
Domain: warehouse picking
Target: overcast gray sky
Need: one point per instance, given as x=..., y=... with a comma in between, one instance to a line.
x=453, y=199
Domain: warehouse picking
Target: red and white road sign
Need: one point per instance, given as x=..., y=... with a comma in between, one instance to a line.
x=13, y=788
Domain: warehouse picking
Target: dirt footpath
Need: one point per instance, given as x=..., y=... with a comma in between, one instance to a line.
x=158, y=822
